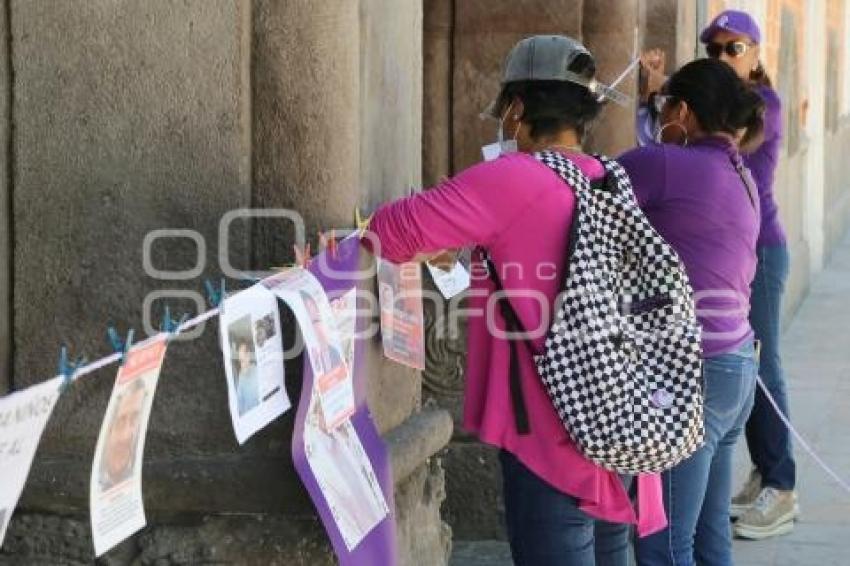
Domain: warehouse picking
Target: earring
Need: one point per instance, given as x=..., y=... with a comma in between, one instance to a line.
x=678, y=125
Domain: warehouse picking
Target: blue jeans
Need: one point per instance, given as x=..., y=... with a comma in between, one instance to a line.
x=697, y=492
x=546, y=527
x=767, y=437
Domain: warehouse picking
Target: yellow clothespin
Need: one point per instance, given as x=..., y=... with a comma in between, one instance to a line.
x=362, y=225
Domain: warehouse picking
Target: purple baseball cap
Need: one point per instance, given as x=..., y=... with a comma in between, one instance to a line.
x=734, y=21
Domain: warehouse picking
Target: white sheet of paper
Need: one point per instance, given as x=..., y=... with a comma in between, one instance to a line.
x=450, y=283
x=23, y=416
x=253, y=360
x=300, y=289
x=117, y=508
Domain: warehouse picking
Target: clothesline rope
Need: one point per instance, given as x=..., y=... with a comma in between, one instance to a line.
x=802, y=441
x=203, y=317
x=112, y=358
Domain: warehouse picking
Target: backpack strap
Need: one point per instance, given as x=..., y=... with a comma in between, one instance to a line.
x=514, y=325
x=575, y=178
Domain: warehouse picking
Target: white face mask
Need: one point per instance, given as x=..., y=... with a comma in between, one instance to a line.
x=500, y=146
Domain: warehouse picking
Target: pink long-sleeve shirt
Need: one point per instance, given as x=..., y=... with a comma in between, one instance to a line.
x=520, y=211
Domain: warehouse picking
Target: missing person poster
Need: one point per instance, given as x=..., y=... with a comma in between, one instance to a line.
x=345, y=468
x=251, y=342
x=402, y=318
x=303, y=293
x=117, y=509
x=23, y=416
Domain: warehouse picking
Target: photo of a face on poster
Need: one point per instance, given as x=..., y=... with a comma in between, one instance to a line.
x=325, y=356
x=122, y=437
x=117, y=508
x=345, y=476
x=253, y=360
x=244, y=364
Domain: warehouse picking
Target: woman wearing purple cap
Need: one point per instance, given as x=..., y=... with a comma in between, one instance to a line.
x=561, y=509
x=697, y=193
x=767, y=504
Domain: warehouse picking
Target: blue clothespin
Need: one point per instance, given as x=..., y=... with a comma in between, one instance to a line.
x=169, y=325
x=68, y=368
x=119, y=346
x=215, y=297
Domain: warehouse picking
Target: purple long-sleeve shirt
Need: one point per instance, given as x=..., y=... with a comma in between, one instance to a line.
x=762, y=164
x=698, y=202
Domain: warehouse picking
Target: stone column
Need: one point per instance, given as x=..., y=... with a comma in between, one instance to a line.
x=659, y=25
x=485, y=31
x=608, y=29
x=6, y=261
x=134, y=117
x=437, y=48
x=129, y=117
x=337, y=117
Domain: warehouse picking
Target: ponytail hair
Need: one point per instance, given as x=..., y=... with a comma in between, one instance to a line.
x=721, y=101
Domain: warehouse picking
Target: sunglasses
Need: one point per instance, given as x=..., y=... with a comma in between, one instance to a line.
x=735, y=48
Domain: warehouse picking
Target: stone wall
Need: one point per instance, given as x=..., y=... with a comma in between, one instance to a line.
x=133, y=116
x=837, y=176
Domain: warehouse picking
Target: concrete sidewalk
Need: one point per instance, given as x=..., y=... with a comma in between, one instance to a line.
x=816, y=349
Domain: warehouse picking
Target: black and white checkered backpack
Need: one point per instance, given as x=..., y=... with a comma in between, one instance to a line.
x=622, y=360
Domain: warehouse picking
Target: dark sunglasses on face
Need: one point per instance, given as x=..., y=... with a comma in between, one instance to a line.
x=732, y=48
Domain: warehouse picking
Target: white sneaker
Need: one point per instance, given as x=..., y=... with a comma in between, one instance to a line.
x=747, y=496
x=771, y=515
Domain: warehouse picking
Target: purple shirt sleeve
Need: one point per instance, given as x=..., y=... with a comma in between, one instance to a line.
x=644, y=126
x=647, y=169
x=473, y=208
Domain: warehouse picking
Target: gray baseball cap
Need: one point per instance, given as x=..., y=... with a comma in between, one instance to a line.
x=548, y=58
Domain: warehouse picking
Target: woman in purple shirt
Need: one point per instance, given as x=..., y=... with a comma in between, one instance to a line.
x=767, y=504
x=697, y=193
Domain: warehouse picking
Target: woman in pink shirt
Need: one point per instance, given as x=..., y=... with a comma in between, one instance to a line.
x=560, y=507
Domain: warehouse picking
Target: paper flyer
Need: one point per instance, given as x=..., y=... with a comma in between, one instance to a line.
x=117, y=509
x=23, y=416
x=402, y=318
x=450, y=283
x=346, y=469
x=253, y=359
x=303, y=293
